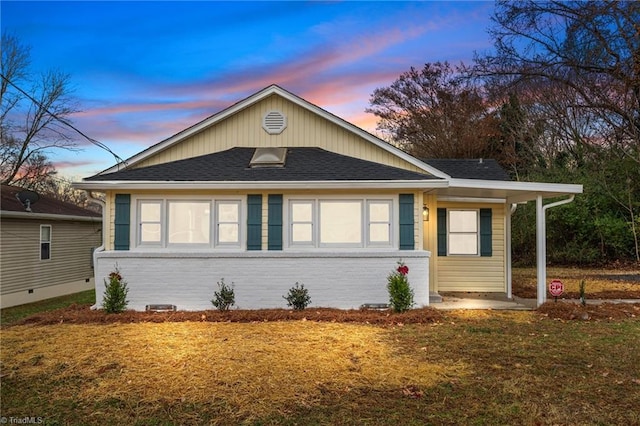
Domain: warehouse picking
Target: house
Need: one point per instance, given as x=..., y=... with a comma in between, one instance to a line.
x=275, y=190
x=46, y=247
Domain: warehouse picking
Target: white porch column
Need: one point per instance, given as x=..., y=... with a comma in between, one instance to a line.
x=541, y=251
x=541, y=244
x=509, y=211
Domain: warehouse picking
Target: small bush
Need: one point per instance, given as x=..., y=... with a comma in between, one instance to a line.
x=298, y=297
x=400, y=292
x=225, y=297
x=114, y=299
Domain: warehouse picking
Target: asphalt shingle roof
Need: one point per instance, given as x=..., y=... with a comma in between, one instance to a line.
x=44, y=205
x=302, y=164
x=470, y=169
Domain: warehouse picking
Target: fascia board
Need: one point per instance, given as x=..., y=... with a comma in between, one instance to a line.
x=48, y=216
x=273, y=89
x=561, y=188
x=252, y=185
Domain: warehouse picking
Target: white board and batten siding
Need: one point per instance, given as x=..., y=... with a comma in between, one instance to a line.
x=24, y=278
x=475, y=273
x=187, y=279
x=304, y=129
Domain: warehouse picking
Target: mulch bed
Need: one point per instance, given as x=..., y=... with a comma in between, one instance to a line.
x=575, y=311
x=82, y=314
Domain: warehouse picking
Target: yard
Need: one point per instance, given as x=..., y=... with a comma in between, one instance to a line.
x=561, y=364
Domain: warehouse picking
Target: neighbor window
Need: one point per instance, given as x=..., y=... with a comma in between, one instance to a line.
x=45, y=242
x=463, y=232
x=340, y=223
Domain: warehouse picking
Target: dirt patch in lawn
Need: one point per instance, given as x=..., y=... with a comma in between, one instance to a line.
x=82, y=314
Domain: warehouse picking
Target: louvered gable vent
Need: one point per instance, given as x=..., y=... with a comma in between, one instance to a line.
x=274, y=122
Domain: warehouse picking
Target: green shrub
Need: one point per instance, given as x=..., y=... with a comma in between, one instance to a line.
x=114, y=299
x=225, y=297
x=298, y=297
x=400, y=292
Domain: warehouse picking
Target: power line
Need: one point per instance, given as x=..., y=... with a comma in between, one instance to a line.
x=65, y=122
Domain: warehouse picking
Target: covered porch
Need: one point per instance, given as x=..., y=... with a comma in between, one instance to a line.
x=473, y=273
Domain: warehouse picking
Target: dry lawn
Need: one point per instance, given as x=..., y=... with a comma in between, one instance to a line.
x=469, y=367
x=613, y=283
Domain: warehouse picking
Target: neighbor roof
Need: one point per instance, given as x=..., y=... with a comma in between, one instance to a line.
x=302, y=164
x=482, y=169
x=45, y=205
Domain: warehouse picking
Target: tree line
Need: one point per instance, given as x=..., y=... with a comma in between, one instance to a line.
x=556, y=100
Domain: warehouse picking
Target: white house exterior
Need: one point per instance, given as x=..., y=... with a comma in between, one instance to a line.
x=274, y=190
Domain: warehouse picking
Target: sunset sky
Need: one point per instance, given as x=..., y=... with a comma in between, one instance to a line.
x=142, y=71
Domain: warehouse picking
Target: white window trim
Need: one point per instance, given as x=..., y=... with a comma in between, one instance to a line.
x=368, y=223
x=364, y=199
x=135, y=228
x=49, y=242
x=290, y=223
x=167, y=217
x=138, y=223
x=216, y=222
x=363, y=235
x=477, y=233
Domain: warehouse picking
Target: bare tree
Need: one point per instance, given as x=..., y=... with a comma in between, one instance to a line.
x=434, y=113
x=32, y=115
x=590, y=49
x=576, y=68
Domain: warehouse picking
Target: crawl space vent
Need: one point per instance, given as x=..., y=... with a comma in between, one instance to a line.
x=274, y=122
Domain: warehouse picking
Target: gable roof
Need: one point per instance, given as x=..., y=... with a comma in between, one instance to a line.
x=255, y=98
x=484, y=169
x=233, y=165
x=46, y=206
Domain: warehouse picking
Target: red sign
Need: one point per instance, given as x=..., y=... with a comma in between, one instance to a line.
x=556, y=288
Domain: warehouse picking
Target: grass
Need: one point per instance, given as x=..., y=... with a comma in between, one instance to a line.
x=599, y=283
x=11, y=315
x=473, y=367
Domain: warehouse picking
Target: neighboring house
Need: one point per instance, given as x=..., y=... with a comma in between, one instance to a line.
x=45, y=248
x=275, y=190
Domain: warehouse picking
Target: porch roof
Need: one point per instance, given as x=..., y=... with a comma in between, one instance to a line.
x=503, y=191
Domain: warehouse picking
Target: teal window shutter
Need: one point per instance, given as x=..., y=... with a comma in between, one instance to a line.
x=274, y=228
x=485, y=233
x=442, y=232
x=407, y=235
x=122, y=221
x=254, y=222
